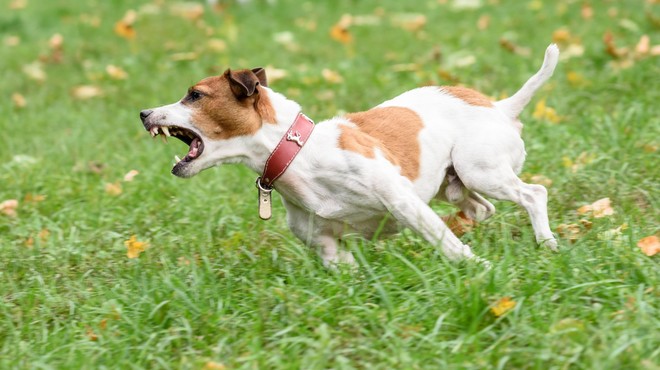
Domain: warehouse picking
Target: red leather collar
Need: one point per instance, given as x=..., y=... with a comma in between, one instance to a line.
x=286, y=150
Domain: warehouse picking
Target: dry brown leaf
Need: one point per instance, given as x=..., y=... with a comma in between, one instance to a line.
x=459, y=223
x=600, y=208
x=84, y=92
x=483, y=22
x=514, y=48
x=644, y=45
x=135, y=247
x=91, y=335
x=571, y=232
x=587, y=12
x=649, y=245
x=56, y=41
x=116, y=73
x=124, y=27
x=340, y=31
x=8, y=207
x=130, y=175
x=18, y=100
x=189, y=10
x=503, y=306
x=113, y=188
x=44, y=234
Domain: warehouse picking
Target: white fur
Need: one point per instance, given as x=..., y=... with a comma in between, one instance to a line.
x=328, y=191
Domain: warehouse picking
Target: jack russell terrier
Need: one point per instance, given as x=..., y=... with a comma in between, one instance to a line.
x=368, y=172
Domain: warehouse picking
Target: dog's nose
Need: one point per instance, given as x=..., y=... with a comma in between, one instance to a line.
x=145, y=113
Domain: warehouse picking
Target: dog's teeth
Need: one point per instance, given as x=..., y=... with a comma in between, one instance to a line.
x=177, y=159
x=164, y=138
x=166, y=131
x=152, y=134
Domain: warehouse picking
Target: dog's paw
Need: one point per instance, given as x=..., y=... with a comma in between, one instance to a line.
x=550, y=244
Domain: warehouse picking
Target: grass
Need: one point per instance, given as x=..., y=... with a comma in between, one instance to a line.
x=219, y=287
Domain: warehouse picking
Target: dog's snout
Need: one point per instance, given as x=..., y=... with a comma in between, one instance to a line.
x=145, y=113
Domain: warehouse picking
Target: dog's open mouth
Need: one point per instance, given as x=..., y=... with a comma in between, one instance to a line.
x=187, y=136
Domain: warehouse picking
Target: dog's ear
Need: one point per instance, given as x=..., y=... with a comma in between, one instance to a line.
x=261, y=75
x=243, y=83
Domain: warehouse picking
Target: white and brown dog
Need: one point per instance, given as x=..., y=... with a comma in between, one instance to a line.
x=355, y=170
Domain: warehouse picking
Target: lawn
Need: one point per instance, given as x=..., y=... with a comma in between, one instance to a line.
x=217, y=288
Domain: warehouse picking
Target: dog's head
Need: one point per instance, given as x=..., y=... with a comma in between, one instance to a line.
x=213, y=113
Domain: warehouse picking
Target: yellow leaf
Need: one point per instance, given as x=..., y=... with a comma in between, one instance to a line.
x=113, y=188
x=130, y=175
x=561, y=36
x=19, y=100
x=649, y=245
x=34, y=198
x=115, y=72
x=410, y=22
x=483, y=22
x=644, y=45
x=217, y=45
x=503, y=306
x=135, y=247
x=587, y=11
x=17, y=4
x=84, y=92
x=331, y=76
x=44, y=234
x=575, y=79
x=274, y=74
x=543, y=112
x=8, y=207
x=571, y=232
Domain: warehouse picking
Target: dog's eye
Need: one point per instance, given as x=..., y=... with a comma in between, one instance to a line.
x=194, y=95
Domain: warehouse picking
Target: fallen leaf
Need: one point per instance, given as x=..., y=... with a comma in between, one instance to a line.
x=18, y=4
x=214, y=366
x=35, y=71
x=541, y=180
x=116, y=73
x=135, y=247
x=91, y=335
x=339, y=32
x=610, y=47
x=113, y=188
x=331, y=76
x=649, y=245
x=34, y=198
x=12, y=40
x=275, y=74
x=503, y=306
x=459, y=223
x=483, y=22
x=644, y=45
x=583, y=159
x=543, y=112
x=56, y=41
x=130, y=175
x=84, y=92
x=18, y=100
x=571, y=232
x=514, y=48
x=8, y=207
x=44, y=234
x=600, y=208
x=587, y=12
x=412, y=22
x=186, y=56
x=189, y=10
x=576, y=79
x=561, y=36
x=124, y=27
x=217, y=45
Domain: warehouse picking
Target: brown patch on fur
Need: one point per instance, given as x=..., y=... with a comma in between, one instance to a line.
x=470, y=96
x=220, y=115
x=393, y=130
x=264, y=106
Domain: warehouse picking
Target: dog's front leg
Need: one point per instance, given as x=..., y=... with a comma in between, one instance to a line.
x=319, y=234
x=413, y=213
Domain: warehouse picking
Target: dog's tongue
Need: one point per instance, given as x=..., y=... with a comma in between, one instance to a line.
x=194, y=148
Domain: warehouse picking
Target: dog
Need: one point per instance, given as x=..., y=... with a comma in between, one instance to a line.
x=370, y=172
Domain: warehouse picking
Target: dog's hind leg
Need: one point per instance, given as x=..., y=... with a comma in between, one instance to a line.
x=500, y=182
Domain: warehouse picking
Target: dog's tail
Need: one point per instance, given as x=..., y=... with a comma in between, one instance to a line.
x=512, y=106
